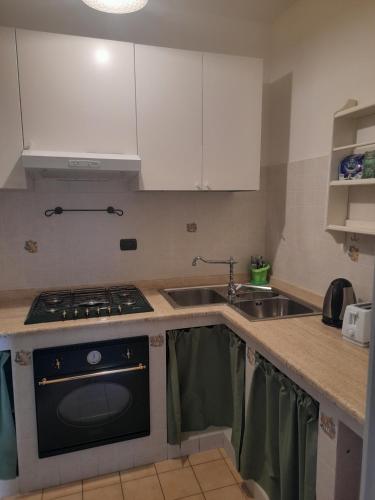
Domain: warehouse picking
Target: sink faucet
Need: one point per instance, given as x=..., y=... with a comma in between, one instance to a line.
x=230, y=262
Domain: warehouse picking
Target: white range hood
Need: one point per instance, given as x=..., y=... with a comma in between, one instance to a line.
x=67, y=165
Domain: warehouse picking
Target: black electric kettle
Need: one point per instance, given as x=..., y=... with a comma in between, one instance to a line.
x=339, y=295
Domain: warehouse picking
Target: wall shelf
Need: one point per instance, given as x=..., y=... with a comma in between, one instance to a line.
x=351, y=203
x=353, y=182
x=354, y=146
x=356, y=111
x=353, y=228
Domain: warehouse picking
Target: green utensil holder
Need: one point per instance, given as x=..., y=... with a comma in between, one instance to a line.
x=259, y=276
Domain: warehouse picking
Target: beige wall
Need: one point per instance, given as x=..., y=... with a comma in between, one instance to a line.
x=322, y=53
x=83, y=248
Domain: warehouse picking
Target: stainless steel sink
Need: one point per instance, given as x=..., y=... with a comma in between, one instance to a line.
x=254, y=304
x=278, y=307
x=255, y=295
x=188, y=297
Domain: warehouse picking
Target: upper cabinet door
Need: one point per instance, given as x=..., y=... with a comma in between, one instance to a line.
x=11, y=173
x=77, y=93
x=232, y=110
x=169, y=115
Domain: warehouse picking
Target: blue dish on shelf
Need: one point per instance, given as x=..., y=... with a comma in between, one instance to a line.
x=351, y=167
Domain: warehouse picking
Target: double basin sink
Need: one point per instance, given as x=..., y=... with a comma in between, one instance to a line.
x=254, y=303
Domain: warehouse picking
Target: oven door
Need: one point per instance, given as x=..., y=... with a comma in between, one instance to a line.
x=92, y=409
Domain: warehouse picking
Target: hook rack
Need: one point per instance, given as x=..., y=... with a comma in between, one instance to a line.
x=60, y=210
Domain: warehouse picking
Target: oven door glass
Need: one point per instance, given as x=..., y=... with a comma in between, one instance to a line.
x=74, y=414
x=93, y=405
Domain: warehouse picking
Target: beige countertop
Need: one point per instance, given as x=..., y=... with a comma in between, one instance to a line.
x=335, y=368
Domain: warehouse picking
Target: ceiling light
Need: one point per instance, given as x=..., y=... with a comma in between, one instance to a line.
x=116, y=6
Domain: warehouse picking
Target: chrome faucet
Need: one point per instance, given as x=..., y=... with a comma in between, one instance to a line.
x=231, y=285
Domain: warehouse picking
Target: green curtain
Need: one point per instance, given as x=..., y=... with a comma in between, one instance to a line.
x=206, y=382
x=8, y=446
x=279, y=450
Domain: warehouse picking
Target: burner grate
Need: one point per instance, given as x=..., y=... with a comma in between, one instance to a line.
x=87, y=303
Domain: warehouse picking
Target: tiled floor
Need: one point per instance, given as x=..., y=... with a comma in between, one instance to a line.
x=209, y=475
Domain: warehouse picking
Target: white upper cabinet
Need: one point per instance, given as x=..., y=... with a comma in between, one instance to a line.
x=169, y=115
x=232, y=110
x=11, y=173
x=77, y=93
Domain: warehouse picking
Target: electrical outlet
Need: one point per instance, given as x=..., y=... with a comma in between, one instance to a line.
x=128, y=244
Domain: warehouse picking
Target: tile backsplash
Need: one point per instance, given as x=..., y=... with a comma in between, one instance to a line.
x=84, y=248
x=302, y=252
x=284, y=221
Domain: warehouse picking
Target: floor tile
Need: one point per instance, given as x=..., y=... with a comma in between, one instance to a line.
x=36, y=495
x=75, y=496
x=147, y=488
x=234, y=471
x=94, y=483
x=111, y=492
x=194, y=497
x=179, y=483
x=205, y=456
x=138, y=472
x=227, y=493
x=223, y=453
x=62, y=491
x=213, y=475
x=172, y=464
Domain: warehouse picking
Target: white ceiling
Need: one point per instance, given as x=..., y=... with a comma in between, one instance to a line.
x=221, y=25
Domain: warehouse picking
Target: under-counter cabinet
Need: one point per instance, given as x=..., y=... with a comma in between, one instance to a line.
x=77, y=93
x=11, y=145
x=169, y=116
x=232, y=114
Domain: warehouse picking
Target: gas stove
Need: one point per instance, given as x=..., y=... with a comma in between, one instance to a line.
x=87, y=303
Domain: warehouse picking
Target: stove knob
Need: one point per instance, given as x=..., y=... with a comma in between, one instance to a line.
x=119, y=308
x=63, y=314
x=75, y=313
x=87, y=312
x=57, y=364
x=109, y=310
x=98, y=311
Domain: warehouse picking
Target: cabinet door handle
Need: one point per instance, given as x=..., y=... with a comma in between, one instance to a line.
x=207, y=186
x=198, y=186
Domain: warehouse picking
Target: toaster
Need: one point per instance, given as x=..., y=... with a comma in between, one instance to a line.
x=357, y=323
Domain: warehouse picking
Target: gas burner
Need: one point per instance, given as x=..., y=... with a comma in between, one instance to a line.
x=87, y=303
x=130, y=301
x=51, y=301
x=94, y=303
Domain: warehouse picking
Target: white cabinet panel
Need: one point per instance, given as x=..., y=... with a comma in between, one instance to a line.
x=169, y=114
x=11, y=145
x=232, y=108
x=77, y=93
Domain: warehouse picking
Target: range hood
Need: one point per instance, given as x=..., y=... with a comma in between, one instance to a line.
x=70, y=166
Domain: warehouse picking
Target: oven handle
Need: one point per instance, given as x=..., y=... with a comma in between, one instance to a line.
x=137, y=368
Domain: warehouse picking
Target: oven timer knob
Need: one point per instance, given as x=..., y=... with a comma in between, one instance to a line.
x=57, y=364
x=94, y=357
x=128, y=353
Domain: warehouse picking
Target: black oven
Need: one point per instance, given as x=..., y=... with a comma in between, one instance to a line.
x=91, y=394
